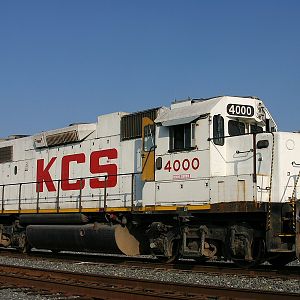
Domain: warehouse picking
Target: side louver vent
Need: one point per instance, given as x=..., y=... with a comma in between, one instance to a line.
x=62, y=138
x=131, y=125
x=6, y=154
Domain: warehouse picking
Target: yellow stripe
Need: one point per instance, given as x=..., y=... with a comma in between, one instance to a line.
x=10, y=211
x=177, y=207
x=91, y=209
x=114, y=209
x=199, y=207
x=162, y=208
x=66, y=210
x=28, y=211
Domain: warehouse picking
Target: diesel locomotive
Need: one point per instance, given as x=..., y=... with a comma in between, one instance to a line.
x=204, y=179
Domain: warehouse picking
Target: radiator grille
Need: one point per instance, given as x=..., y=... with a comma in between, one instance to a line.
x=62, y=138
x=6, y=154
x=131, y=125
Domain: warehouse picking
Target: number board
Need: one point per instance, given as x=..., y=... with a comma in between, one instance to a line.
x=240, y=110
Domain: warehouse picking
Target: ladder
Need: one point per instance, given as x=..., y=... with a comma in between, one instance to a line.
x=293, y=201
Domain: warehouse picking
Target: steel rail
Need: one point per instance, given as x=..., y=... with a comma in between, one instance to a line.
x=112, y=287
x=219, y=268
x=181, y=266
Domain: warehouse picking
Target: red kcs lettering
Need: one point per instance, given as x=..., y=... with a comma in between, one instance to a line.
x=43, y=175
x=65, y=172
x=108, y=180
x=110, y=169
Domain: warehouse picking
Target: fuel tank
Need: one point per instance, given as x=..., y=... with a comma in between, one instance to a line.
x=94, y=237
x=53, y=219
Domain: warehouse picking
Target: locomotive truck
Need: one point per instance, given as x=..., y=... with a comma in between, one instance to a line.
x=203, y=179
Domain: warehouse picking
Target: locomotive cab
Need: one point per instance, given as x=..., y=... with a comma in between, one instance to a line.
x=198, y=145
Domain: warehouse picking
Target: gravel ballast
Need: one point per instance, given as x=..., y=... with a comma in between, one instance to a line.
x=234, y=281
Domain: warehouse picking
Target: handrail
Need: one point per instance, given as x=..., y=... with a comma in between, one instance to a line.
x=105, y=195
x=58, y=196
x=20, y=191
x=2, y=208
x=73, y=178
x=80, y=195
x=232, y=136
x=132, y=190
x=243, y=152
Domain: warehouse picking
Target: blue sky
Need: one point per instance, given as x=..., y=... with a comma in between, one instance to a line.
x=68, y=61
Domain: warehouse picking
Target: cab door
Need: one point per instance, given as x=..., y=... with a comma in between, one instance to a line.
x=148, y=151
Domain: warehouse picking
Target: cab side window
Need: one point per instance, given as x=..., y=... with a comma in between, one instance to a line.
x=236, y=128
x=256, y=129
x=149, y=138
x=218, y=130
x=182, y=137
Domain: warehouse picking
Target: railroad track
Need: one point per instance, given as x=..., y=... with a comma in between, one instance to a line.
x=88, y=286
x=182, y=266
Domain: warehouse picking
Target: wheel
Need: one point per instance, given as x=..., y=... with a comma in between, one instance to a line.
x=174, y=257
x=166, y=260
x=258, y=254
x=24, y=246
x=281, y=259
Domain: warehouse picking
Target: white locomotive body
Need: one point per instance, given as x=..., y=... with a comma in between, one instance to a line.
x=205, y=178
